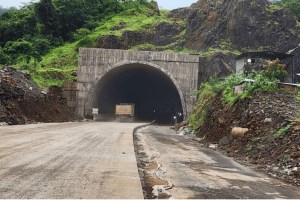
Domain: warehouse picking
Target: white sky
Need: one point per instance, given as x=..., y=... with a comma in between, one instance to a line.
x=166, y=4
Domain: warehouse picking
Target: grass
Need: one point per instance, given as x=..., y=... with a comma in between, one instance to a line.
x=206, y=94
x=212, y=51
x=273, y=8
x=283, y=131
x=56, y=66
x=255, y=139
x=248, y=148
x=263, y=81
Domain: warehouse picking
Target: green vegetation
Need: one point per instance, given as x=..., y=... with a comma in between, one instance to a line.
x=43, y=38
x=249, y=148
x=206, y=95
x=224, y=49
x=283, y=131
x=264, y=80
x=273, y=7
x=284, y=159
x=292, y=5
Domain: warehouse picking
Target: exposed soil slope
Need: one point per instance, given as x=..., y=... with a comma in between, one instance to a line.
x=273, y=139
x=21, y=101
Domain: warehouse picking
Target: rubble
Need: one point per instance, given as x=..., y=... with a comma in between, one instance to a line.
x=239, y=132
x=22, y=101
x=273, y=137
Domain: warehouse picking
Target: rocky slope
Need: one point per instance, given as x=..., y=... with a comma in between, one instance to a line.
x=21, y=101
x=247, y=24
x=272, y=142
x=217, y=31
x=232, y=27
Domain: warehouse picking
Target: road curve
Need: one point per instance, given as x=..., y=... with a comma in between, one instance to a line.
x=71, y=160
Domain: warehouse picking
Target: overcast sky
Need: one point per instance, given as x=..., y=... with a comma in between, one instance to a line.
x=166, y=4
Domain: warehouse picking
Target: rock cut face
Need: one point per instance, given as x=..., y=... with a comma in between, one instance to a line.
x=243, y=24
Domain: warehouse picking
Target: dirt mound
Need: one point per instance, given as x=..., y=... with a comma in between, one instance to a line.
x=21, y=101
x=273, y=139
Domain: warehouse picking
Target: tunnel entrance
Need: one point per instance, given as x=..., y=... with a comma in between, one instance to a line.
x=154, y=94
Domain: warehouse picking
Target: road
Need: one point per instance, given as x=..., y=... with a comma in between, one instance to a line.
x=196, y=172
x=70, y=160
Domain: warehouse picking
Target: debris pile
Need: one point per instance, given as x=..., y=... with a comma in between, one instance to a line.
x=263, y=130
x=21, y=101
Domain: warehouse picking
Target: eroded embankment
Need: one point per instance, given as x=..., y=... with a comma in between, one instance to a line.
x=150, y=168
x=22, y=101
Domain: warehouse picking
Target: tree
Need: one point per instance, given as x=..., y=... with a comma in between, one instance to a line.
x=14, y=24
x=4, y=58
x=292, y=5
x=18, y=50
x=48, y=16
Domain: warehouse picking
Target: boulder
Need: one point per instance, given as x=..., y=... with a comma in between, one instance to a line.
x=239, y=132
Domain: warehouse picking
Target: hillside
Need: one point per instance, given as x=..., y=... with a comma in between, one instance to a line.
x=22, y=102
x=214, y=30
x=258, y=126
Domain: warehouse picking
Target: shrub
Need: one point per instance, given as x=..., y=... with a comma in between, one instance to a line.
x=265, y=80
x=206, y=94
x=275, y=70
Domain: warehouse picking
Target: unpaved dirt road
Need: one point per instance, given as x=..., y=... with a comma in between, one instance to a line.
x=198, y=172
x=70, y=160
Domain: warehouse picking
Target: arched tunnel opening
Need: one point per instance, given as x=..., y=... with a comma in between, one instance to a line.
x=154, y=94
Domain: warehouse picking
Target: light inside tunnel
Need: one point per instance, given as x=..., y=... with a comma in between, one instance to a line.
x=154, y=94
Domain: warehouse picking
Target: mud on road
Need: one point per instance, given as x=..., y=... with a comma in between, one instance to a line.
x=176, y=166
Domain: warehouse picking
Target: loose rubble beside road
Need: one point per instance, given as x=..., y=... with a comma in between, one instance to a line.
x=175, y=166
x=22, y=101
x=273, y=137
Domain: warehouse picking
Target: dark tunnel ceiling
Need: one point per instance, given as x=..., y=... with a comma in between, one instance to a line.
x=153, y=92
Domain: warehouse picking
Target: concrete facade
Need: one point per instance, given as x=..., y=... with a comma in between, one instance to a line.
x=94, y=64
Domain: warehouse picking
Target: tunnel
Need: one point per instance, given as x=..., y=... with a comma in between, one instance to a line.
x=151, y=90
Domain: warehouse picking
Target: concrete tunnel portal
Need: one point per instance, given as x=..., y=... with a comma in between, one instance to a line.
x=153, y=92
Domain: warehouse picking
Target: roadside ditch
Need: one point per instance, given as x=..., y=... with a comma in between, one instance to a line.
x=150, y=168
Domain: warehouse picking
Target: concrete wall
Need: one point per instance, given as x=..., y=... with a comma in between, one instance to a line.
x=69, y=93
x=93, y=64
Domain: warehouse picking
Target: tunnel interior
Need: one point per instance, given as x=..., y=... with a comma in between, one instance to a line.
x=154, y=94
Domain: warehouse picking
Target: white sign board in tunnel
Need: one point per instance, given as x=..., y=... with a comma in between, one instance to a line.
x=95, y=111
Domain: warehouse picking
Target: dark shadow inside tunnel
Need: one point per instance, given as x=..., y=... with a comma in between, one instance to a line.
x=154, y=94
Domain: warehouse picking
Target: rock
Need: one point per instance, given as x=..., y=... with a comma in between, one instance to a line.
x=296, y=170
x=239, y=132
x=287, y=171
x=221, y=120
x=183, y=131
x=268, y=120
x=296, y=128
x=22, y=101
x=165, y=33
x=3, y=124
x=295, y=155
x=213, y=146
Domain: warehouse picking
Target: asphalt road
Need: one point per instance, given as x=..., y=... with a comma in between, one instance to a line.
x=196, y=172
x=70, y=160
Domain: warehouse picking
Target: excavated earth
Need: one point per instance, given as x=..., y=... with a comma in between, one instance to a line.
x=273, y=140
x=21, y=100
